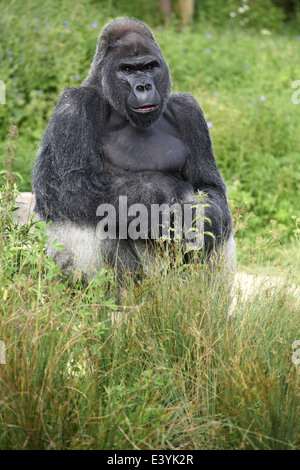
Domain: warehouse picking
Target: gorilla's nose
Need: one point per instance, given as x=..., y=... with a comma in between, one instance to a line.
x=144, y=96
x=142, y=87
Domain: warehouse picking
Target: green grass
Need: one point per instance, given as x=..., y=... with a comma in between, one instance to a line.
x=160, y=364
x=153, y=365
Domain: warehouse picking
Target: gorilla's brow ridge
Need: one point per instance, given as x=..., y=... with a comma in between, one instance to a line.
x=131, y=50
x=134, y=43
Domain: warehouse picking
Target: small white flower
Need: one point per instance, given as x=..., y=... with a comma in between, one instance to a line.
x=241, y=10
x=265, y=32
x=246, y=8
x=232, y=14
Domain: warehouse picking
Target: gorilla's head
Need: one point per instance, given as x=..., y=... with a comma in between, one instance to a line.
x=130, y=70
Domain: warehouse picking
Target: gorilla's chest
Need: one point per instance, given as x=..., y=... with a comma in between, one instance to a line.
x=154, y=149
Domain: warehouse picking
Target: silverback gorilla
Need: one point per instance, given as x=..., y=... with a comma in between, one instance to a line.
x=123, y=133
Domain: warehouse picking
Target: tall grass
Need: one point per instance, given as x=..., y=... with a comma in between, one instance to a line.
x=163, y=369
x=169, y=362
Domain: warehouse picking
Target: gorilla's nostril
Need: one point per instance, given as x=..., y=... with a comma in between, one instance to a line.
x=147, y=87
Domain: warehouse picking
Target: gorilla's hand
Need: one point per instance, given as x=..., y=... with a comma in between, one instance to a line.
x=183, y=193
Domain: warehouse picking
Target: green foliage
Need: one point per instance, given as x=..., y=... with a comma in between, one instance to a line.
x=258, y=13
x=146, y=10
x=165, y=366
x=245, y=91
x=34, y=67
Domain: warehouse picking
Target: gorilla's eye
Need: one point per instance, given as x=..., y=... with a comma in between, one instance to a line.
x=127, y=68
x=151, y=65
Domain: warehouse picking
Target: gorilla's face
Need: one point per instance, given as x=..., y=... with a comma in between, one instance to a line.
x=136, y=79
x=143, y=103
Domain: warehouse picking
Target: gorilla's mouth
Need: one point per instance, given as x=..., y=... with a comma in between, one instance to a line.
x=146, y=109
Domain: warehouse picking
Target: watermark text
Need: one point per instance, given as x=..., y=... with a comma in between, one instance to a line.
x=2, y=92
x=2, y=352
x=160, y=221
x=296, y=353
x=296, y=94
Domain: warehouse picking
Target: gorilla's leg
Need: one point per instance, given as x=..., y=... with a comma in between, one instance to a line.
x=85, y=253
x=82, y=250
x=125, y=255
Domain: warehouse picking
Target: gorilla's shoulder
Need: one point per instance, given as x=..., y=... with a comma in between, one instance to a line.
x=184, y=108
x=74, y=99
x=183, y=99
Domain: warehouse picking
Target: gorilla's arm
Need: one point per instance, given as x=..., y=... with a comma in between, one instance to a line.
x=70, y=180
x=201, y=170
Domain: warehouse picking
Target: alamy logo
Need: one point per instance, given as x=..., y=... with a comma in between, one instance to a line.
x=163, y=222
x=296, y=94
x=2, y=93
x=296, y=354
x=2, y=352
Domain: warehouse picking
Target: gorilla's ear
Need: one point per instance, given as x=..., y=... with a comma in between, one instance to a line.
x=114, y=30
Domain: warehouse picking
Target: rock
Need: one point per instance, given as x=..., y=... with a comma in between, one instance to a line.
x=25, y=204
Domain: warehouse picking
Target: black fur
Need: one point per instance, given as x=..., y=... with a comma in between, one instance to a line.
x=99, y=144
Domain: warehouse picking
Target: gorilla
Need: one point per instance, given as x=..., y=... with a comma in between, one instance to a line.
x=123, y=133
